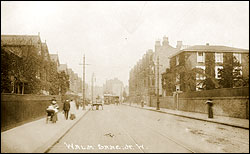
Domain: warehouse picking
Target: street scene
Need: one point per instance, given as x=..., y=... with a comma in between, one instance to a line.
x=148, y=132
x=124, y=77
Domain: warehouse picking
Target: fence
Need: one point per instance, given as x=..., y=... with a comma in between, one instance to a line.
x=18, y=109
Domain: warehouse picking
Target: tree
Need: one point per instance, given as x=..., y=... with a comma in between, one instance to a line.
x=168, y=83
x=63, y=80
x=186, y=76
x=6, y=71
x=124, y=94
x=23, y=70
x=53, y=79
x=230, y=75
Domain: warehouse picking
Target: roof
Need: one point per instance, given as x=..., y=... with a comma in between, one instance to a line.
x=20, y=40
x=211, y=48
x=54, y=57
x=63, y=67
x=15, y=50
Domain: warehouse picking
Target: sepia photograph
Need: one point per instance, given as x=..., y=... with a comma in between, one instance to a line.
x=124, y=76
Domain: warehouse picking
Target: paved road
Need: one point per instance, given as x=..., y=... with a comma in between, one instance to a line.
x=127, y=129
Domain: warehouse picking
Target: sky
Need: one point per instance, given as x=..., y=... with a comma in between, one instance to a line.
x=114, y=35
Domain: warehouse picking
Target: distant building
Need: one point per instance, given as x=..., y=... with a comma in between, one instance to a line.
x=114, y=87
x=63, y=67
x=142, y=78
x=75, y=85
x=55, y=58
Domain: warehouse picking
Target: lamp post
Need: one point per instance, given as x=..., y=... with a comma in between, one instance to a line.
x=158, y=84
x=158, y=100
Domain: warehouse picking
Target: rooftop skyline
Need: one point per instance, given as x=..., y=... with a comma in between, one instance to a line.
x=115, y=35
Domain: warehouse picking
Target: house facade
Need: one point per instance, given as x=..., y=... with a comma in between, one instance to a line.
x=142, y=78
x=29, y=50
x=209, y=59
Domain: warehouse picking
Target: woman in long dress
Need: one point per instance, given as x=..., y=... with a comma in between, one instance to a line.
x=72, y=107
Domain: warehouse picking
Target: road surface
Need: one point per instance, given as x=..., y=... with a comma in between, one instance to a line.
x=126, y=129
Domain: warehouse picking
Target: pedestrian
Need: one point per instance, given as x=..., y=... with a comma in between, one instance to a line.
x=142, y=103
x=77, y=105
x=50, y=112
x=56, y=108
x=72, y=110
x=66, y=108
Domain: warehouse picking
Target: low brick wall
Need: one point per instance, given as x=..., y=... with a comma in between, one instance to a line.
x=19, y=109
x=227, y=102
x=236, y=107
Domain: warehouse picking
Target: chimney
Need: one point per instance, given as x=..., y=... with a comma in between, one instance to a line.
x=38, y=33
x=179, y=45
x=150, y=50
x=157, y=45
x=207, y=44
x=165, y=41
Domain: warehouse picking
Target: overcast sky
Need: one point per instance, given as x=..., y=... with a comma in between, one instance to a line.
x=115, y=35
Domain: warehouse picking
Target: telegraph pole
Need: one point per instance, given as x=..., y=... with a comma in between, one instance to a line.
x=83, y=82
x=158, y=100
x=83, y=86
x=92, y=88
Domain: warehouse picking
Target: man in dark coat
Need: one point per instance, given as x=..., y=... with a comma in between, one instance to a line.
x=66, y=108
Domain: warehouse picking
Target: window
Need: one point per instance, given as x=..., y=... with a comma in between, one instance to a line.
x=177, y=87
x=177, y=60
x=219, y=57
x=178, y=76
x=217, y=71
x=199, y=85
x=199, y=76
x=237, y=57
x=200, y=57
x=237, y=71
x=153, y=82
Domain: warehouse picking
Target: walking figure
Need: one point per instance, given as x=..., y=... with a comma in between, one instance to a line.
x=66, y=108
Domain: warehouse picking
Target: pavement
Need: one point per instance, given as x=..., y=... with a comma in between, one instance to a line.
x=37, y=136
x=229, y=121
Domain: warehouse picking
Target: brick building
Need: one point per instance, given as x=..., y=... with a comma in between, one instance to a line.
x=142, y=79
x=209, y=58
x=114, y=87
x=55, y=58
x=163, y=51
x=26, y=48
x=143, y=76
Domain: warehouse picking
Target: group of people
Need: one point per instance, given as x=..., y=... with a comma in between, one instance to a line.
x=69, y=108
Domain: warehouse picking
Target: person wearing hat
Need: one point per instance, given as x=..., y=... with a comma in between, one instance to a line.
x=66, y=108
x=56, y=108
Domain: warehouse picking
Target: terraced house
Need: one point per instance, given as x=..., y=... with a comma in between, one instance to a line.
x=223, y=67
x=23, y=59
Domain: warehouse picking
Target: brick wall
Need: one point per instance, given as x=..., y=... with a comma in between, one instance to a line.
x=235, y=107
x=19, y=109
x=227, y=102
